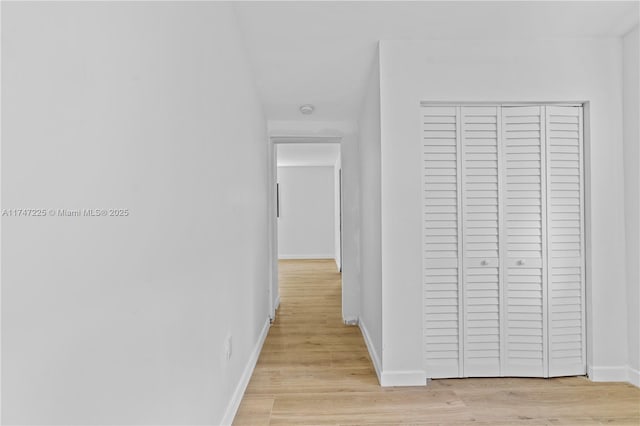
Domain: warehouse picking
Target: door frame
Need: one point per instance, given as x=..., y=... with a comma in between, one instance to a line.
x=339, y=198
x=272, y=219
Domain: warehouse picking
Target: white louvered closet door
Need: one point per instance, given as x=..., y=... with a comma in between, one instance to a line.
x=567, y=348
x=525, y=239
x=503, y=241
x=481, y=250
x=441, y=251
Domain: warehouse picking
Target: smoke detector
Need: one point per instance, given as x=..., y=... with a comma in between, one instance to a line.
x=307, y=109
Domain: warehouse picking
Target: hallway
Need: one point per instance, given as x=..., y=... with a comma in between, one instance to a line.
x=315, y=370
x=310, y=358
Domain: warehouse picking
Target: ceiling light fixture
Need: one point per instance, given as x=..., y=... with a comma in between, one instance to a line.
x=307, y=109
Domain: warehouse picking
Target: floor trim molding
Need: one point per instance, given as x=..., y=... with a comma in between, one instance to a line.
x=608, y=374
x=274, y=311
x=403, y=378
x=350, y=320
x=372, y=353
x=391, y=378
x=236, y=398
x=306, y=256
x=634, y=377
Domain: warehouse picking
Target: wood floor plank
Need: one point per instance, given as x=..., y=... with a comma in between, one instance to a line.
x=256, y=411
x=314, y=370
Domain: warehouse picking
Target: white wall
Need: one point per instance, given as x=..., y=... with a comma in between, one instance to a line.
x=371, y=288
x=306, y=222
x=304, y=153
x=272, y=171
x=336, y=212
x=517, y=70
x=631, y=136
x=122, y=320
x=351, y=272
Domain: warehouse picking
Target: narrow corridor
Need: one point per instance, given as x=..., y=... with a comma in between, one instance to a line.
x=310, y=358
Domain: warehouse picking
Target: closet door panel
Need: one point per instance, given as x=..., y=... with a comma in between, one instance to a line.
x=481, y=248
x=441, y=249
x=524, y=263
x=565, y=185
x=503, y=241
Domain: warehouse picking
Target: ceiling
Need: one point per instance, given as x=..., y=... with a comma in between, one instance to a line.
x=322, y=52
x=307, y=154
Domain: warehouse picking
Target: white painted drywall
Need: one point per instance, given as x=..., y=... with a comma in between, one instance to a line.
x=122, y=320
x=331, y=67
x=516, y=70
x=336, y=211
x=306, y=222
x=351, y=279
x=370, y=207
x=308, y=154
x=272, y=169
x=631, y=136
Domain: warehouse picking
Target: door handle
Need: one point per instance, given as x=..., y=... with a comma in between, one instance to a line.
x=520, y=262
x=484, y=263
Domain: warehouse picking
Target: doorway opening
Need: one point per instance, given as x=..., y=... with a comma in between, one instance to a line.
x=306, y=212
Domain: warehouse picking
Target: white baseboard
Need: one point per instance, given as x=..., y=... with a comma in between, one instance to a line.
x=608, y=374
x=236, y=398
x=350, y=320
x=304, y=256
x=391, y=378
x=634, y=377
x=276, y=305
x=372, y=353
x=403, y=378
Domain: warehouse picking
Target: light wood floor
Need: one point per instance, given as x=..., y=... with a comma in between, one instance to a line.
x=315, y=370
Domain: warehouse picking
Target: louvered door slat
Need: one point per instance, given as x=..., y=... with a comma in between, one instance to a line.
x=567, y=347
x=481, y=248
x=441, y=258
x=524, y=234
